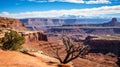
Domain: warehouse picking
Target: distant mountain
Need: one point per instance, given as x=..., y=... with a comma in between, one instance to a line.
x=111, y=27
x=60, y=21
x=113, y=22
x=43, y=23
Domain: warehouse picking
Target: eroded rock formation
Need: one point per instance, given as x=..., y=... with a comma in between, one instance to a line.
x=11, y=23
x=33, y=36
x=105, y=46
x=7, y=24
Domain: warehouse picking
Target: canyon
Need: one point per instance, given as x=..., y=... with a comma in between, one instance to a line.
x=111, y=27
x=72, y=25
x=36, y=39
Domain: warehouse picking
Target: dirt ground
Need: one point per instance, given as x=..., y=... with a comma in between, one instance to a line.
x=18, y=59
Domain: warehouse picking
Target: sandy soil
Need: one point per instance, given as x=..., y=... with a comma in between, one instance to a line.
x=17, y=59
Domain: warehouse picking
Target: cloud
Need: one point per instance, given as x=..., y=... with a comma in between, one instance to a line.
x=4, y=13
x=72, y=1
x=90, y=12
x=38, y=1
x=75, y=1
x=98, y=2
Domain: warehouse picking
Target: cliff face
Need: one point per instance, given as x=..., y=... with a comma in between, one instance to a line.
x=105, y=46
x=89, y=30
x=7, y=24
x=11, y=23
x=31, y=36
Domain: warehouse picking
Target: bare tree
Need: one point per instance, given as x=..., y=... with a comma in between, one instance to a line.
x=69, y=50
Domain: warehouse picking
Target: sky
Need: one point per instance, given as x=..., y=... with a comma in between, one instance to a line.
x=60, y=8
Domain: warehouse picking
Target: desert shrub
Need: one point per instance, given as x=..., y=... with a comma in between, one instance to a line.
x=69, y=50
x=12, y=40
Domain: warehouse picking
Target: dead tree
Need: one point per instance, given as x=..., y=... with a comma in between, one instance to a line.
x=69, y=50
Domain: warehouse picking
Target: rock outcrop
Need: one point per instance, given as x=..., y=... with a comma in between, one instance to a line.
x=113, y=22
x=7, y=24
x=33, y=36
x=105, y=46
x=11, y=23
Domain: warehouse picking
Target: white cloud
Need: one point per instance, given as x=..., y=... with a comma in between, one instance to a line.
x=5, y=13
x=41, y=1
x=75, y=1
x=72, y=1
x=57, y=13
x=98, y=1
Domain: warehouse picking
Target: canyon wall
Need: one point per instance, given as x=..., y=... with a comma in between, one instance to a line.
x=7, y=24
x=105, y=46
x=11, y=23
x=111, y=27
x=33, y=36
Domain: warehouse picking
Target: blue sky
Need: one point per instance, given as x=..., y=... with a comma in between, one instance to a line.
x=58, y=8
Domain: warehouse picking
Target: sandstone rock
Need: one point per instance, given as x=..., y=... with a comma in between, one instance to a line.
x=11, y=23
x=105, y=46
x=33, y=36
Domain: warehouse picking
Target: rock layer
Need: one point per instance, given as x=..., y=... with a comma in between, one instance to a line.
x=11, y=23
x=33, y=36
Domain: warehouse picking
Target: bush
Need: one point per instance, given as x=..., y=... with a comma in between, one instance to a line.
x=12, y=40
x=71, y=50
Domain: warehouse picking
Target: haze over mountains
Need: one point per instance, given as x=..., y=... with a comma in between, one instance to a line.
x=113, y=23
x=43, y=22
x=104, y=26
x=60, y=21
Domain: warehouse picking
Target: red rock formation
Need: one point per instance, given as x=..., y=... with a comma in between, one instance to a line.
x=31, y=36
x=11, y=23
x=113, y=22
x=14, y=24
x=105, y=46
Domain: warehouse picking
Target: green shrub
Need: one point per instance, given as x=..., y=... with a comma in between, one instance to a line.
x=12, y=40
